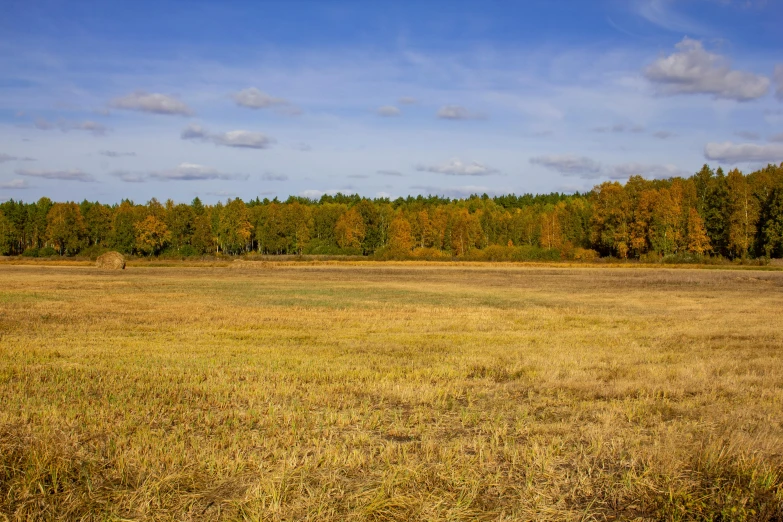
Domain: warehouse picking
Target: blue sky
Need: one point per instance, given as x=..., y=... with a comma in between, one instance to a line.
x=112, y=100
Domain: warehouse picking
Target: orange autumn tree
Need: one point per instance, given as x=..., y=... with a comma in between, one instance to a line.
x=696, y=239
x=350, y=229
x=400, y=240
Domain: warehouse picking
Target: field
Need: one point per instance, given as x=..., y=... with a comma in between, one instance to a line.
x=390, y=392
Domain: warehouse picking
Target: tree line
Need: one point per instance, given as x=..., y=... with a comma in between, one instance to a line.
x=710, y=213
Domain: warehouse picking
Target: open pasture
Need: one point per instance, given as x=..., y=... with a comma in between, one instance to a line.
x=390, y=392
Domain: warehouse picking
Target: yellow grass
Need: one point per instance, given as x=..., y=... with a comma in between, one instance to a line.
x=390, y=392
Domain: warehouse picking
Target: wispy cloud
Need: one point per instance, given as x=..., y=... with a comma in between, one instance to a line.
x=238, y=138
x=457, y=192
x=387, y=111
x=316, y=194
x=748, y=135
x=115, y=154
x=662, y=14
x=663, y=135
x=779, y=81
x=191, y=172
x=457, y=167
x=155, y=103
x=393, y=173
x=14, y=184
x=128, y=176
x=182, y=172
x=620, y=128
x=655, y=171
x=94, y=127
x=270, y=176
x=65, y=175
x=4, y=158
x=457, y=112
x=407, y=100
x=569, y=165
x=693, y=70
x=732, y=153
x=776, y=138
x=253, y=98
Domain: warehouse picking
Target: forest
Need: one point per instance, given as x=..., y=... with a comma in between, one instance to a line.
x=732, y=216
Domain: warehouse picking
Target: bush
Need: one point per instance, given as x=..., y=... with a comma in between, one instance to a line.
x=497, y=253
x=430, y=254
x=320, y=247
x=534, y=253
x=93, y=252
x=30, y=252
x=47, y=251
x=585, y=254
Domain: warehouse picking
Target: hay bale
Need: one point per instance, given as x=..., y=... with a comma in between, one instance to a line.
x=111, y=261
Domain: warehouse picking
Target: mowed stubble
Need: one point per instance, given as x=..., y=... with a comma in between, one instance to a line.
x=390, y=392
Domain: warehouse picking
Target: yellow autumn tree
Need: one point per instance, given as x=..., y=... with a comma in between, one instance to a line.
x=743, y=213
x=152, y=235
x=65, y=227
x=551, y=231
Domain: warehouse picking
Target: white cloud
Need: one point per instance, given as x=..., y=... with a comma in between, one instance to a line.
x=626, y=170
x=155, y=103
x=252, y=98
x=6, y=158
x=387, y=111
x=238, y=138
x=693, y=70
x=243, y=139
x=14, y=184
x=779, y=81
x=732, y=153
x=316, y=194
x=569, y=165
x=456, y=112
x=65, y=175
x=256, y=99
x=458, y=168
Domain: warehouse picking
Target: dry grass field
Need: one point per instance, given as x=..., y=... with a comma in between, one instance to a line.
x=390, y=392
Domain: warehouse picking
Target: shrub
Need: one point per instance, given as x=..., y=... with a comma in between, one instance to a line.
x=430, y=254
x=47, y=251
